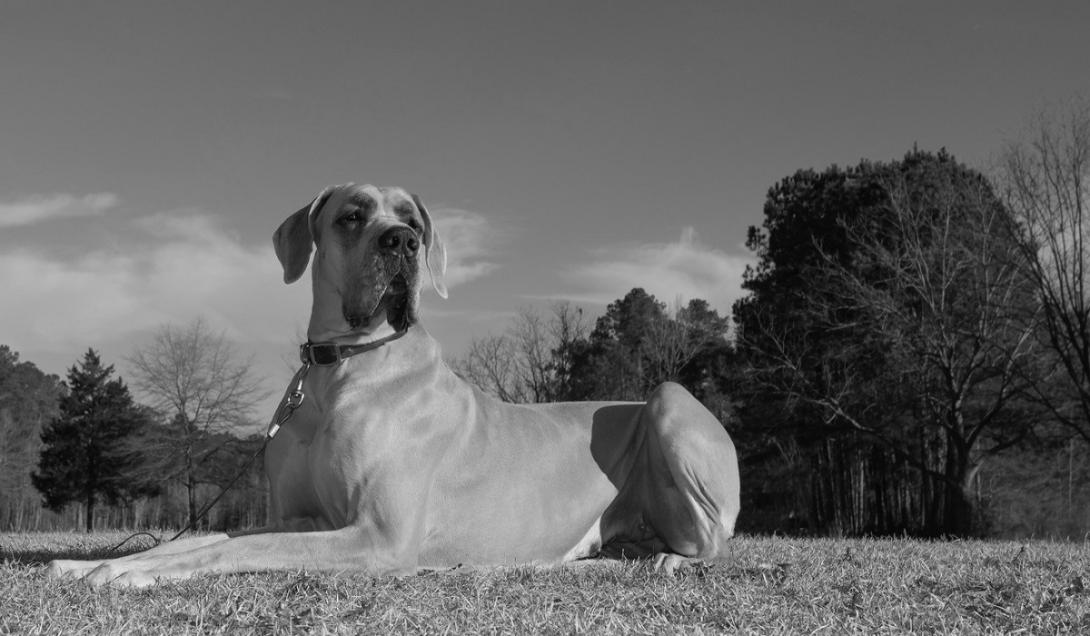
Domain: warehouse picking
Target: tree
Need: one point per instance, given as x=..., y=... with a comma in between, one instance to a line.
x=708, y=372
x=636, y=345
x=805, y=216
x=84, y=457
x=1045, y=180
x=28, y=401
x=896, y=320
x=195, y=378
x=531, y=361
x=624, y=353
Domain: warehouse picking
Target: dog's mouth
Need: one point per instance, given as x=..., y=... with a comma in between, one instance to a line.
x=395, y=300
x=390, y=296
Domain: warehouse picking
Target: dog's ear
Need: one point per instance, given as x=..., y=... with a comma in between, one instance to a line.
x=435, y=256
x=294, y=240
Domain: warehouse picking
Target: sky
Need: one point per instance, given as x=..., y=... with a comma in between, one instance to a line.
x=567, y=150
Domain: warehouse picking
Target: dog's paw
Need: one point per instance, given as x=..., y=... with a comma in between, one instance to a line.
x=62, y=569
x=672, y=563
x=124, y=574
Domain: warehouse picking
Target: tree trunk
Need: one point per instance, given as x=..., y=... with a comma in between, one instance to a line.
x=960, y=506
x=89, y=507
x=191, y=484
x=191, y=491
x=959, y=512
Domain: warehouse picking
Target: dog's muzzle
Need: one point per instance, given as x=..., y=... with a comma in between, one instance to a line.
x=390, y=281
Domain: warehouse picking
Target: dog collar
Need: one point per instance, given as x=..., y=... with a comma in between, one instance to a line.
x=325, y=354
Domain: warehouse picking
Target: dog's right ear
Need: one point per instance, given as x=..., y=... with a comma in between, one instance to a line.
x=435, y=255
x=293, y=240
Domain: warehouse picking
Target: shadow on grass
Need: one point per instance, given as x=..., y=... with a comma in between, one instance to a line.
x=30, y=554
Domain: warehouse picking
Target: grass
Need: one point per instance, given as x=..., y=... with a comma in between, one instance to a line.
x=767, y=585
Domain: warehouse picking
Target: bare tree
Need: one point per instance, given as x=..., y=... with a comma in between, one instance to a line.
x=196, y=378
x=528, y=363
x=490, y=365
x=670, y=345
x=1044, y=178
x=534, y=368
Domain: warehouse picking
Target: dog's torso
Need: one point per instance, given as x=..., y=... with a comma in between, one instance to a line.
x=433, y=442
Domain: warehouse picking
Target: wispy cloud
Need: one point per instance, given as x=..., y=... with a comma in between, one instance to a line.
x=43, y=207
x=674, y=272
x=185, y=267
x=468, y=237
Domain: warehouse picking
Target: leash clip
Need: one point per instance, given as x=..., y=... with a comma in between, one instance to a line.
x=293, y=401
x=295, y=398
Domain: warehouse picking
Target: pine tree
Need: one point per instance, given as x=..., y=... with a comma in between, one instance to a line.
x=85, y=456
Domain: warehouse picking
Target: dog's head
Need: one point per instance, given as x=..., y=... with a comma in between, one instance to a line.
x=371, y=246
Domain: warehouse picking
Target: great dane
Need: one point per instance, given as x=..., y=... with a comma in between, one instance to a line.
x=391, y=463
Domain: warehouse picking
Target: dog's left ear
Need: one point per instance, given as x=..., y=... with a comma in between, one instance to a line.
x=293, y=240
x=435, y=256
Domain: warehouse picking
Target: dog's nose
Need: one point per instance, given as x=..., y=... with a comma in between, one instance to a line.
x=399, y=239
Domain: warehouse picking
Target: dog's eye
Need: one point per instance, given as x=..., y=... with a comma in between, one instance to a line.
x=351, y=219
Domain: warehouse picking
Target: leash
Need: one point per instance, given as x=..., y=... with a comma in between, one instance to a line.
x=292, y=401
x=322, y=354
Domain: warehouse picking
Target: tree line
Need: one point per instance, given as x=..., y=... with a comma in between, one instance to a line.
x=82, y=451
x=911, y=355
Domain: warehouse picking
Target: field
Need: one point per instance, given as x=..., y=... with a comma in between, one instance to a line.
x=767, y=585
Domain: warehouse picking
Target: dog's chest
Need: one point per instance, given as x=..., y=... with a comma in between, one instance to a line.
x=353, y=444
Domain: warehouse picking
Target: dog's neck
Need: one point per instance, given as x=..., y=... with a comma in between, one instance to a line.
x=327, y=329
x=327, y=325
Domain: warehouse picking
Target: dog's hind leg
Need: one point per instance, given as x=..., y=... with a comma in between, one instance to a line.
x=692, y=484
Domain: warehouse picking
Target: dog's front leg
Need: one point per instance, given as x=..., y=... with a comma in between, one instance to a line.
x=345, y=549
x=63, y=568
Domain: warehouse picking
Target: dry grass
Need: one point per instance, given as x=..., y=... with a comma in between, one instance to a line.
x=766, y=586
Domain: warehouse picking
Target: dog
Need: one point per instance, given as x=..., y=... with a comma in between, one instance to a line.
x=387, y=462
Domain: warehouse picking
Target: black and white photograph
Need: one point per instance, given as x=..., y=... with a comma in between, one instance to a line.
x=523, y=317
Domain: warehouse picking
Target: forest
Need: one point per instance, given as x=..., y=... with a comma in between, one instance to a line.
x=911, y=356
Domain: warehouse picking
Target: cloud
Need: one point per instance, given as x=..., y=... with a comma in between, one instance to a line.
x=468, y=237
x=673, y=272
x=43, y=207
x=183, y=267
